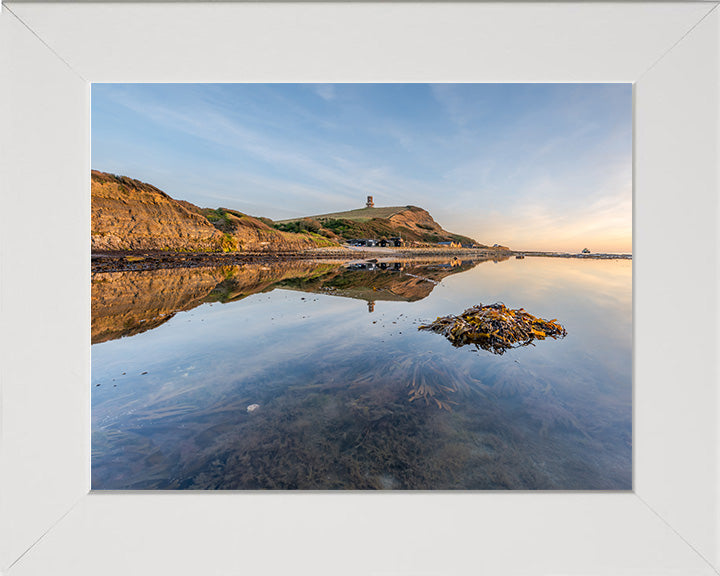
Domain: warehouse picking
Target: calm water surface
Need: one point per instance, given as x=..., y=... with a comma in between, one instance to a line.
x=331, y=354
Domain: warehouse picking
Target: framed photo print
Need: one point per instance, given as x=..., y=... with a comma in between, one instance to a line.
x=359, y=288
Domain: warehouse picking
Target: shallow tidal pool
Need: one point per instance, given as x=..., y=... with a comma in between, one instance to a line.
x=300, y=375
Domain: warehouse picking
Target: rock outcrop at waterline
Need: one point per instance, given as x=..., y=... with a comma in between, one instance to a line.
x=131, y=215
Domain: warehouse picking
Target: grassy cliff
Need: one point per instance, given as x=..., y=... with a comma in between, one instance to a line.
x=411, y=223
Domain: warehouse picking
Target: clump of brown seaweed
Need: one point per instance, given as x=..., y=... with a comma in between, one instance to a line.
x=495, y=328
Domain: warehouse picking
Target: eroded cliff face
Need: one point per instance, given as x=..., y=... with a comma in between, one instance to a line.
x=417, y=224
x=131, y=215
x=418, y=221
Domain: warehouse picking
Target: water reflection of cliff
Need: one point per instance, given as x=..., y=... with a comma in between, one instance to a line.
x=128, y=303
x=406, y=281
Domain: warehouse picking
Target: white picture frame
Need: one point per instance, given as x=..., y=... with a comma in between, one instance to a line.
x=50, y=523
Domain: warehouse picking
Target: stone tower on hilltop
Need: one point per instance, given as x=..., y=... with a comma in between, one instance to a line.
x=370, y=203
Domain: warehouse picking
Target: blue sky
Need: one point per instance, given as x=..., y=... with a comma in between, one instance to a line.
x=530, y=166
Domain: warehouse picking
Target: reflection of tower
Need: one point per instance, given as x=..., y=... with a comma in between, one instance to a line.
x=371, y=306
x=370, y=203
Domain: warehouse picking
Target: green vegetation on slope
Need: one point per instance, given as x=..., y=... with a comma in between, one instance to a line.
x=411, y=223
x=379, y=228
x=231, y=221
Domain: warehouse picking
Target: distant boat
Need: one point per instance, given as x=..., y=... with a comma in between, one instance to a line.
x=519, y=256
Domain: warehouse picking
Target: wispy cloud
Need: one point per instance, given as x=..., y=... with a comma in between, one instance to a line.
x=325, y=91
x=344, y=178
